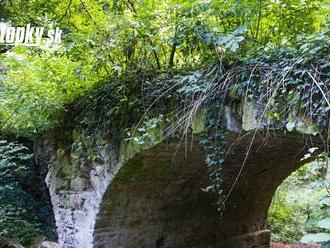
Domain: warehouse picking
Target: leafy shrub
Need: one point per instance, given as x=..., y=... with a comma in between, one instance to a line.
x=322, y=225
x=286, y=220
x=20, y=213
x=299, y=204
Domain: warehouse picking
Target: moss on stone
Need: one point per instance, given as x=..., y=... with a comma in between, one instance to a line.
x=134, y=170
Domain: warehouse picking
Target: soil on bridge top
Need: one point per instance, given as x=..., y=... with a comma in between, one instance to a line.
x=277, y=244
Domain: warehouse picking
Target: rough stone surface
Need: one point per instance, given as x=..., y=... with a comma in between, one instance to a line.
x=48, y=244
x=253, y=116
x=76, y=199
x=259, y=239
x=154, y=199
x=251, y=181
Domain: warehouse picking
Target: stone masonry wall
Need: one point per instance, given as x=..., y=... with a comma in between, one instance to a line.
x=109, y=197
x=76, y=198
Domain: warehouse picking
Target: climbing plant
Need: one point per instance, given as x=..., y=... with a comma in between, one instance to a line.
x=290, y=84
x=21, y=216
x=215, y=147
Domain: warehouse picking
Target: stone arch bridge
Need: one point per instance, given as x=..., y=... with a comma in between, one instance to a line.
x=152, y=198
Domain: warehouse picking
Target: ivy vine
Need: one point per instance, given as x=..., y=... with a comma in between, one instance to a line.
x=214, y=143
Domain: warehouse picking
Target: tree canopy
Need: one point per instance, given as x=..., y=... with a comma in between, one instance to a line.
x=104, y=41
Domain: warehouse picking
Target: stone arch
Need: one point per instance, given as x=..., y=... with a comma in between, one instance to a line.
x=134, y=197
x=156, y=200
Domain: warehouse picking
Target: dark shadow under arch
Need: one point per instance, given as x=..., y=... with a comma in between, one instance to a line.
x=156, y=199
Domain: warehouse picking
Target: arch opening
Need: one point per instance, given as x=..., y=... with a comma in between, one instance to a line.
x=299, y=204
x=156, y=199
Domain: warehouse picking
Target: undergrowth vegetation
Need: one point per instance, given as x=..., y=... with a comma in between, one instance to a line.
x=22, y=217
x=301, y=206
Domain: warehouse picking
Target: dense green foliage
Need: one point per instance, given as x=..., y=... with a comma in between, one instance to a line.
x=22, y=217
x=104, y=41
x=301, y=205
